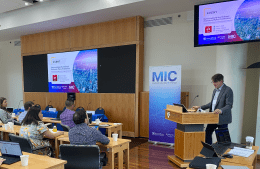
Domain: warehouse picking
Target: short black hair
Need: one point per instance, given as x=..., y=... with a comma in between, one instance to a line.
x=217, y=78
x=28, y=104
x=32, y=116
x=79, y=117
x=69, y=102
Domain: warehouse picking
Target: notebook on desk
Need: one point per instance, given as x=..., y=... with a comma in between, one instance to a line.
x=10, y=151
x=233, y=167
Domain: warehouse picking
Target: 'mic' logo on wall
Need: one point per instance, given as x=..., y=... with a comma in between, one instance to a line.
x=165, y=76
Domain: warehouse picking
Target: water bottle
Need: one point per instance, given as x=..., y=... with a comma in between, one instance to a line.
x=54, y=129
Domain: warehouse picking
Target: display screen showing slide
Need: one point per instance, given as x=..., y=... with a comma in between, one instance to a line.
x=228, y=22
x=73, y=72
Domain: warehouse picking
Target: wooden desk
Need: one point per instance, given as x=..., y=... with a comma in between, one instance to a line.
x=250, y=161
x=110, y=129
x=113, y=128
x=48, y=120
x=37, y=161
x=6, y=132
x=119, y=147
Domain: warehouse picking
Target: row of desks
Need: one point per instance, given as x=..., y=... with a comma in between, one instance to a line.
x=121, y=146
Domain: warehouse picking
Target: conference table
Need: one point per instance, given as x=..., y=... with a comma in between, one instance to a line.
x=37, y=161
x=250, y=161
x=121, y=146
x=112, y=128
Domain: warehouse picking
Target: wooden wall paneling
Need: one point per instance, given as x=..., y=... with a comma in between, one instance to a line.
x=144, y=114
x=90, y=101
x=57, y=41
x=124, y=30
x=36, y=97
x=57, y=100
x=119, y=108
x=106, y=33
x=140, y=28
x=32, y=44
x=185, y=99
x=85, y=36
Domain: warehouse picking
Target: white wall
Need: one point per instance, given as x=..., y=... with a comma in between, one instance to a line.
x=231, y=59
x=173, y=45
x=11, y=73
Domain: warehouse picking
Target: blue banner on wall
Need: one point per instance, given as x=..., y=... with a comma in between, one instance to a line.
x=164, y=88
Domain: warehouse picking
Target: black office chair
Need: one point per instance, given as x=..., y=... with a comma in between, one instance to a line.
x=81, y=156
x=26, y=144
x=65, y=127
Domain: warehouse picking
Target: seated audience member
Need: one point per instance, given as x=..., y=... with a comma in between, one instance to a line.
x=5, y=117
x=27, y=107
x=34, y=129
x=82, y=134
x=66, y=117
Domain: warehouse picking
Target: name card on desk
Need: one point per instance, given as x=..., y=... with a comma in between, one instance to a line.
x=52, y=109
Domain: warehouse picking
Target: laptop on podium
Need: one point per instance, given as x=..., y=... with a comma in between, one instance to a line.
x=10, y=151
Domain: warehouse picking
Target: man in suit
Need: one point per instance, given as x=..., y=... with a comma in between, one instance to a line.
x=221, y=103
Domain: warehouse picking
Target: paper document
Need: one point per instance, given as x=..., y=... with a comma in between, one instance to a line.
x=241, y=152
x=233, y=167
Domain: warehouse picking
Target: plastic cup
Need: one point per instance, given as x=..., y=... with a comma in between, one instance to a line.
x=249, y=142
x=13, y=114
x=97, y=121
x=211, y=166
x=24, y=160
x=115, y=136
x=6, y=126
x=11, y=125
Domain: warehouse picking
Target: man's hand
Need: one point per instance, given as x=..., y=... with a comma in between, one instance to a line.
x=217, y=111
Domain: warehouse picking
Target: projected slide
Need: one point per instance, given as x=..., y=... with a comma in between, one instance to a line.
x=231, y=21
x=74, y=72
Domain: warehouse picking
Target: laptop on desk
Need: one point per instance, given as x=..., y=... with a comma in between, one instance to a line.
x=10, y=151
x=223, y=138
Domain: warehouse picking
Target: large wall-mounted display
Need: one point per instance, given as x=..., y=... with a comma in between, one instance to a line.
x=104, y=70
x=73, y=72
x=227, y=22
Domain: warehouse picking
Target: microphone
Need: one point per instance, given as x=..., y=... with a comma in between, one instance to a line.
x=19, y=104
x=194, y=99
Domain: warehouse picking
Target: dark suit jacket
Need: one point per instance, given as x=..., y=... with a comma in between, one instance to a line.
x=224, y=103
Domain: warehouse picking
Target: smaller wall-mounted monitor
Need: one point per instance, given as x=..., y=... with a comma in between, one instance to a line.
x=236, y=21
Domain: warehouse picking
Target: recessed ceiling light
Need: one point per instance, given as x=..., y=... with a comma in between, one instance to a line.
x=26, y=3
x=41, y=0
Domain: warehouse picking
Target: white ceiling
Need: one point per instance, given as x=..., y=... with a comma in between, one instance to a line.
x=58, y=14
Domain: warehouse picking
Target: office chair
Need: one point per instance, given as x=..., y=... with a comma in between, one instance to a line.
x=81, y=156
x=65, y=127
x=26, y=144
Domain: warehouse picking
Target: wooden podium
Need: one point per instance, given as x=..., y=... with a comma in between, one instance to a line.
x=188, y=134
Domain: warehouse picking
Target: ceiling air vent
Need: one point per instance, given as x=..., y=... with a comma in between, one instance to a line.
x=17, y=43
x=158, y=22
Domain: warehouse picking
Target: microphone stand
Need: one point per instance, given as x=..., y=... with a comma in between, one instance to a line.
x=194, y=99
